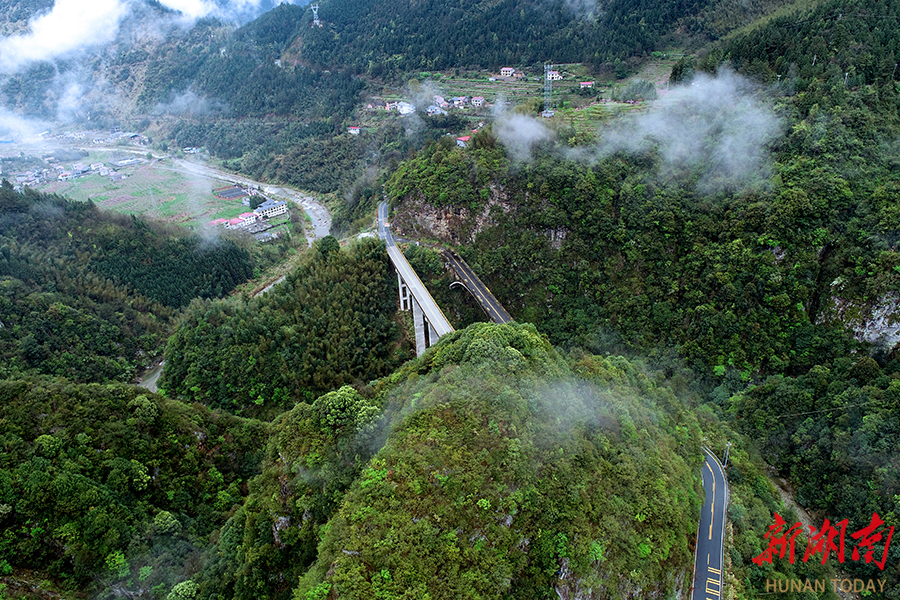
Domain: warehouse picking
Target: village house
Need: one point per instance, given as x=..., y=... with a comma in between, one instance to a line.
x=554, y=76
x=353, y=130
x=249, y=218
x=507, y=72
x=463, y=141
x=519, y=75
x=217, y=222
x=586, y=85
x=271, y=208
x=478, y=101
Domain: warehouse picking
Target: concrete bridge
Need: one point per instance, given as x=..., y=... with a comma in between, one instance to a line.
x=428, y=320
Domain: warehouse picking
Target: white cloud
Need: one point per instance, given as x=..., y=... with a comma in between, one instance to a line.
x=519, y=133
x=193, y=9
x=233, y=10
x=70, y=26
x=74, y=25
x=13, y=124
x=718, y=127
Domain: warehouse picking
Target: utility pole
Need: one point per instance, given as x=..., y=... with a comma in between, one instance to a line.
x=727, y=447
x=548, y=92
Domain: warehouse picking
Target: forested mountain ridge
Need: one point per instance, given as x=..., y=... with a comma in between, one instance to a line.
x=329, y=324
x=89, y=295
x=760, y=277
x=382, y=38
x=489, y=467
x=107, y=483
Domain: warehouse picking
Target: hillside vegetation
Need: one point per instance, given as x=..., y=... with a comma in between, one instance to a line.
x=106, y=484
x=762, y=284
x=88, y=295
x=330, y=323
x=508, y=474
x=490, y=467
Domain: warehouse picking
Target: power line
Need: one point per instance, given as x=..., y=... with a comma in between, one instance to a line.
x=813, y=412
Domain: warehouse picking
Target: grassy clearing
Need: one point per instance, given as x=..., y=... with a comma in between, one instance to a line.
x=657, y=72
x=153, y=190
x=587, y=119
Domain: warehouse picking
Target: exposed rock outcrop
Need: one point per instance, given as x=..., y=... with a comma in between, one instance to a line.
x=453, y=224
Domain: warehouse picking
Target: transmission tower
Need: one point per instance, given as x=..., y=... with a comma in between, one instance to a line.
x=548, y=92
x=315, y=9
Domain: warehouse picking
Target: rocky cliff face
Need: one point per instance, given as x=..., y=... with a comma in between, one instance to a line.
x=877, y=323
x=419, y=218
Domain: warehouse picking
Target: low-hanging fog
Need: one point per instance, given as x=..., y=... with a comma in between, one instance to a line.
x=718, y=129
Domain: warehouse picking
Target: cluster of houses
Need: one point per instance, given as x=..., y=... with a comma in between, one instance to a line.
x=251, y=221
x=404, y=108
x=116, y=135
x=510, y=73
x=61, y=172
x=440, y=105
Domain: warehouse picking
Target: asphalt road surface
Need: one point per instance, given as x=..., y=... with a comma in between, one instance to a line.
x=482, y=294
x=432, y=312
x=711, y=535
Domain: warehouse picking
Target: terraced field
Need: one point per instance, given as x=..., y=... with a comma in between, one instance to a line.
x=155, y=191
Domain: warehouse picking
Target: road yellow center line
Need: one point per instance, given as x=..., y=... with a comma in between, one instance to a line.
x=712, y=506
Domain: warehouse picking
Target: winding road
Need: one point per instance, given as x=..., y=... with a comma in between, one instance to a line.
x=708, y=560
x=318, y=214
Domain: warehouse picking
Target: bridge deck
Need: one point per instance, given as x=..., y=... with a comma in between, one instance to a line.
x=432, y=311
x=492, y=308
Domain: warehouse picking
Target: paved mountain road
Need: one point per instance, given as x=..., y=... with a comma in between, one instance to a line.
x=708, y=560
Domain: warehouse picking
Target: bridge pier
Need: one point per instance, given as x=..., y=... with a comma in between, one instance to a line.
x=419, y=326
x=432, y=335
x=405, y=296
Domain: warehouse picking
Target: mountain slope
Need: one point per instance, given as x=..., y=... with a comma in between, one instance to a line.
x=381, y=37
x=508, y=473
